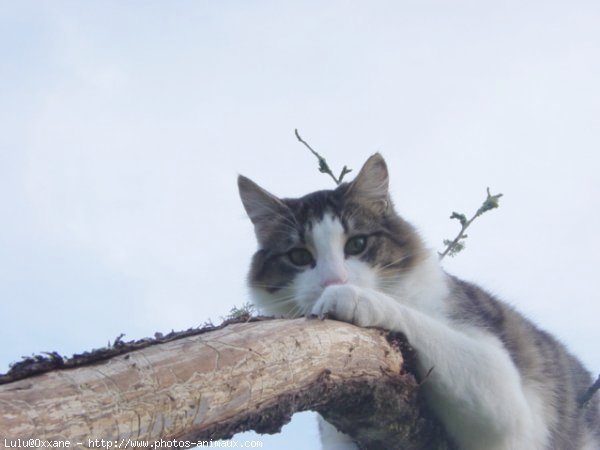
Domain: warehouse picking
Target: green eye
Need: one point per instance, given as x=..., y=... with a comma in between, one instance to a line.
x=355, y=245
x=300, y=257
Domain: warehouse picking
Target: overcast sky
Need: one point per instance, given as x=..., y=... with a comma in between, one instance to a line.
x=125, y=124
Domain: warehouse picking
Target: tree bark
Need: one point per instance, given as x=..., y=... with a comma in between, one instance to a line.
x=240, y=377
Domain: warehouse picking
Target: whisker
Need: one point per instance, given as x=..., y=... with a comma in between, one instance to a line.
x=404, y=257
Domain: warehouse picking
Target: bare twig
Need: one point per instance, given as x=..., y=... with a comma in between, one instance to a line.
x=323, y=166
x=456, y=245
x=587, y=396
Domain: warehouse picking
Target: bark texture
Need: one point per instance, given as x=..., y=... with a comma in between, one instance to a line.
x=243, y=376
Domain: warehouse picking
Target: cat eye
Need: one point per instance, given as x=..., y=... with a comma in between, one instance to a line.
x=300, y=257
x=355, y=245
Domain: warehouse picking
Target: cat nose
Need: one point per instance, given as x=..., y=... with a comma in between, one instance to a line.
x=333, y=280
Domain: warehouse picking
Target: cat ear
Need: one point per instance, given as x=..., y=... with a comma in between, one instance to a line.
x=260, y=205
x=371, y=184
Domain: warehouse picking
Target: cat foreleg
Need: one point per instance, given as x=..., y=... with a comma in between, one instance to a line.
x=474, y=387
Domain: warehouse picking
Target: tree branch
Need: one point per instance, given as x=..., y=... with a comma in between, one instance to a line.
x=239, y=377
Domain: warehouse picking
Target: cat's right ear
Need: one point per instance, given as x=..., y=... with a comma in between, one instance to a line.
x=260, y=205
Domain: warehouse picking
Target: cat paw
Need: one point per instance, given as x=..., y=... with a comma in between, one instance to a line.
x=343, y=302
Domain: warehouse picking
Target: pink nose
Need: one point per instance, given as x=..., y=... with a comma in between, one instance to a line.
x=333, y=280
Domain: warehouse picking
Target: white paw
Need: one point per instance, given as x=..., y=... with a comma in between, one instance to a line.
x=344, y=302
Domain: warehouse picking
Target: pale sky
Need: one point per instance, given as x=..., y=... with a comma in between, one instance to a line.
x=125, y=124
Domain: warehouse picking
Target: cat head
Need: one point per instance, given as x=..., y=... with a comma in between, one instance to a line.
x=350, y=234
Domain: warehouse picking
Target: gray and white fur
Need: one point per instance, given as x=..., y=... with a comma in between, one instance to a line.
x=498, y=383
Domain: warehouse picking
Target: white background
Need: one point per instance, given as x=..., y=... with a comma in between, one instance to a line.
x=125, y=124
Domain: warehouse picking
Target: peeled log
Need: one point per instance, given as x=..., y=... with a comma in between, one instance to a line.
x=243, y=376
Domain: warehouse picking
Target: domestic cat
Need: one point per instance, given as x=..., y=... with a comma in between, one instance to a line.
x=498, y=382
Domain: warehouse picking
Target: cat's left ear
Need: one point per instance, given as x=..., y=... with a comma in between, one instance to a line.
x=371, y=185
x=260, y=205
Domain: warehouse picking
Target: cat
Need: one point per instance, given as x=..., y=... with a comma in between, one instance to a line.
x=498, y=382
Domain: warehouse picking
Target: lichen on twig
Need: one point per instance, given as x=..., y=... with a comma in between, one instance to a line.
x=243, y=313
x=454, y=246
